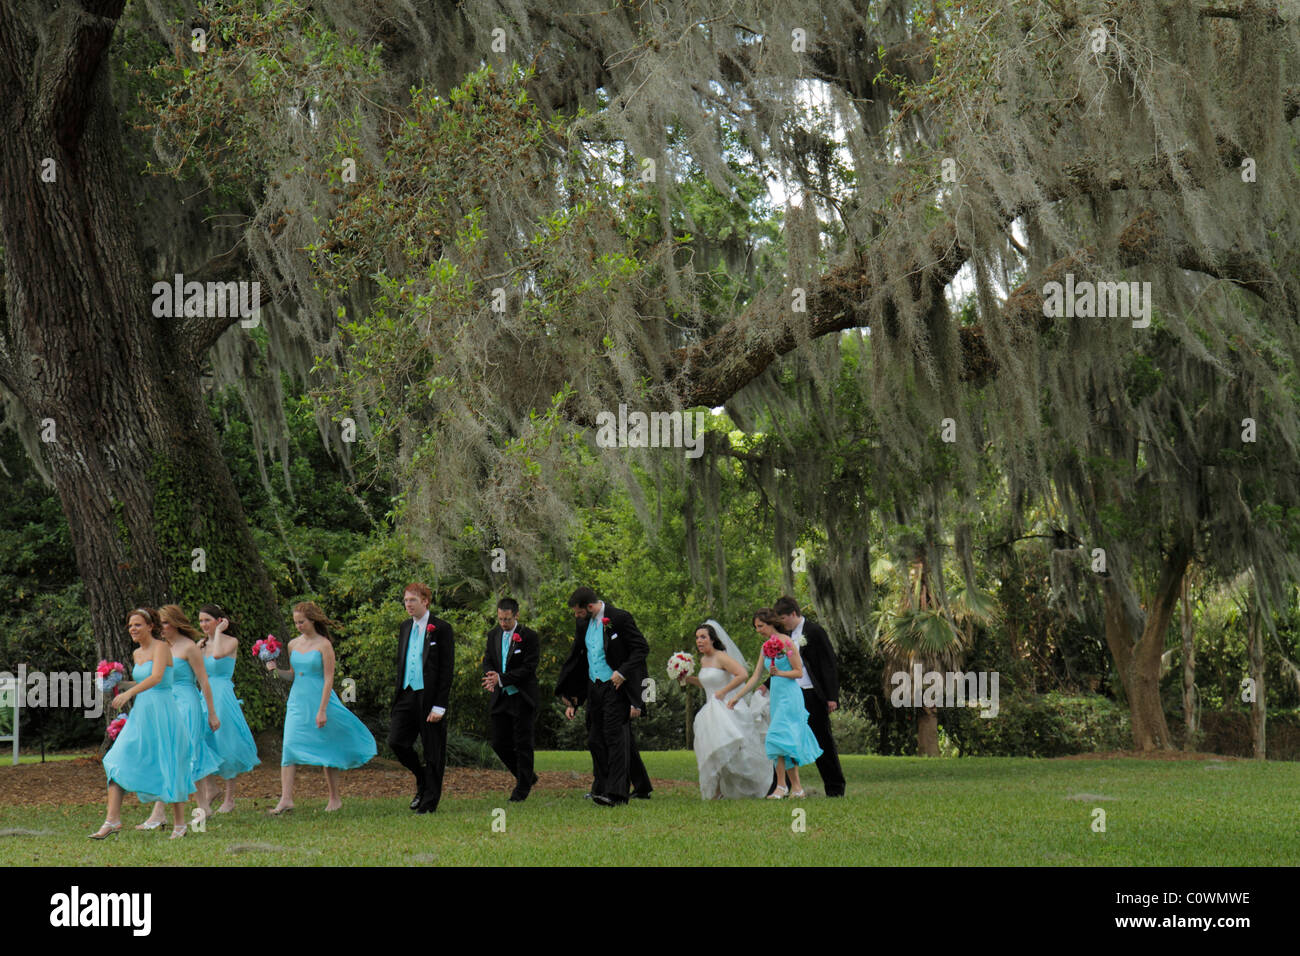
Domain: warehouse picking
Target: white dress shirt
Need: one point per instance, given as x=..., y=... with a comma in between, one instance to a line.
x=804, y=681
x=421, y=627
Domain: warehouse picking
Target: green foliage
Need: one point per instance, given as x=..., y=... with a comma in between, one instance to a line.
x=266, y=71
x=185, y=519
x=1050, y=725
x=43, y=619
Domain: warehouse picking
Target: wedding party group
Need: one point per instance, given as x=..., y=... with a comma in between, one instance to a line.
x=737, y=741
x=186, y=737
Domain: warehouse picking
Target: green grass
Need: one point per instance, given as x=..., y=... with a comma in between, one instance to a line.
x=900, y=811
x=7, y=758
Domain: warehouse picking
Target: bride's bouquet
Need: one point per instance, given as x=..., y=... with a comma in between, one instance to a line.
x=108, y=674
x=267, y=649
x=681, y=665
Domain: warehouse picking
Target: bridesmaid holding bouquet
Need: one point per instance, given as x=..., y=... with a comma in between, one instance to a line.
x=318, y=730
x=151, y=754
x=197, y=714
x=789, y=738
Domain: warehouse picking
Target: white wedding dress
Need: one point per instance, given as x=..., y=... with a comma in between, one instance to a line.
x=729, y=743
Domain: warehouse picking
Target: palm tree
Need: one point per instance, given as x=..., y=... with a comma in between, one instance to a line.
x=921, y=631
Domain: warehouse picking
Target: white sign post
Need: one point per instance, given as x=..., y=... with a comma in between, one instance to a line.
x=9, y=700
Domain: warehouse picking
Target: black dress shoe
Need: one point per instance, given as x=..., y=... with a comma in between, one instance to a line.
x=589, y=796
x=518, y=796
x=417, y=800
x=534, y=781
x=427, y=808
x=600, y=800
x=638, y=795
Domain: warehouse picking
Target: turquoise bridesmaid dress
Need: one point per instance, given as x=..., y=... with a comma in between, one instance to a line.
x=789, y=735
x=235, y=745
x=189, y=703
x=151, y=755
x=343, y=742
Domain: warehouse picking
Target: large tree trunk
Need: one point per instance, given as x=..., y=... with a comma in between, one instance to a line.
x=1138, y=660
x=1189, y=671
x=129, y=442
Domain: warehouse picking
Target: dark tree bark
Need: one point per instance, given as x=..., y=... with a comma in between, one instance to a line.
x=927, y=732
x=134, y=455
x=1137, y=651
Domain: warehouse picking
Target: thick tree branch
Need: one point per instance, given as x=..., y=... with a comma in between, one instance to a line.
x=68, y=64
x=1248, y=9
x=711, y=371
x=17, y=47
x=197, y=334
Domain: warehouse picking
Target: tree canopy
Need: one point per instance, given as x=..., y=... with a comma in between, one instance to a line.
x=478, y=227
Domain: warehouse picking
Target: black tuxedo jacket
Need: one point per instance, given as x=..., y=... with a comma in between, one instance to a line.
x=625, y=651
x=521, y=671
x=819, y=661
x=439, y=662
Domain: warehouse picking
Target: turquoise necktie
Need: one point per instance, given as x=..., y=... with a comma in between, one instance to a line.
x=505, y=657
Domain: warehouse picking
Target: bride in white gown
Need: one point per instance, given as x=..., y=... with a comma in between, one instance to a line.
x=728, y=743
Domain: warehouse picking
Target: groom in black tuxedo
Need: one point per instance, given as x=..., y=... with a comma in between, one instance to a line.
x=510, y=673
x=425, y=661
x=605, y=669
x=821, y=687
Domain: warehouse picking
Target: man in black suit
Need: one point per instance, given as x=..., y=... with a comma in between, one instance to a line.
x=605, y=669
x=510, y=673
x=637, y=775
x=425, y=660
x=820, y=684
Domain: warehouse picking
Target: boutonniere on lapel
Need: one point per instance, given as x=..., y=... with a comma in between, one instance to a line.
x=516, y=639
x=430, y=629
x=604, y=620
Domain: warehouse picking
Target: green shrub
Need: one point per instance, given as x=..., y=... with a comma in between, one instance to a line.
x=1050, y=725
x=854, y=733
x=464, y=750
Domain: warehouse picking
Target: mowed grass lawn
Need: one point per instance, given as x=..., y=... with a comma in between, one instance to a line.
x=899, y=812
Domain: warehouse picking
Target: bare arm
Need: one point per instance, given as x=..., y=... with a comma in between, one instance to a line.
x=737, y=672
x=753, y=681
x=161, y=658
x=284, y=674
x=195, y=657
x=221, y=637
x=327, y=664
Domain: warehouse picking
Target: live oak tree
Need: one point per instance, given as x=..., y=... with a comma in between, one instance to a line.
x=109, y=393
x=486, y=263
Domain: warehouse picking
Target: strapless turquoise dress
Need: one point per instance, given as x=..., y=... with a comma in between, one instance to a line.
x=343, y=742
x=789, y=735
x=151, y=755
x=235, y=745
x=189, y=703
